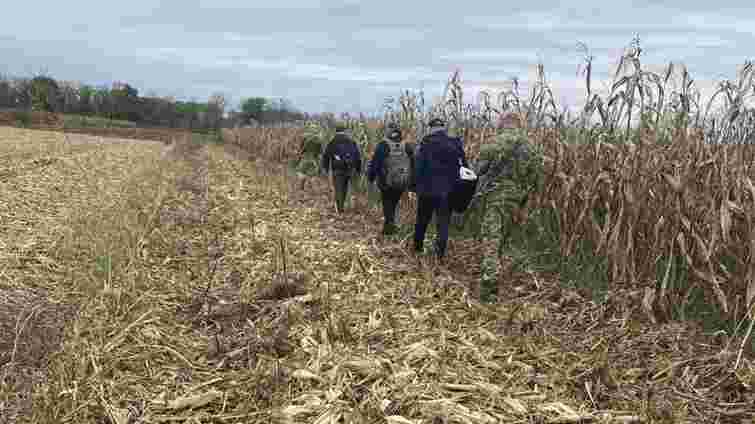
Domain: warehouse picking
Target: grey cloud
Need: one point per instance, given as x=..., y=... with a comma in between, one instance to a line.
x=351, y=54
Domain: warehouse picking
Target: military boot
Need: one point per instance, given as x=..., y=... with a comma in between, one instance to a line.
x=389, y=229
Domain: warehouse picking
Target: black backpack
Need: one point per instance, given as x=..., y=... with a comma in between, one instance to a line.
x=343, y=159
x=397, y=166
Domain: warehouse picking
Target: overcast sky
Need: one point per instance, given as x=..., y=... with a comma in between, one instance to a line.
x=348, y=55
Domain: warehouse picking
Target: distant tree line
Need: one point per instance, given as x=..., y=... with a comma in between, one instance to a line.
x=264, y=111
x=121, y=101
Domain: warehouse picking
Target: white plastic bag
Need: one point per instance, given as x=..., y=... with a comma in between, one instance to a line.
x=467, y=174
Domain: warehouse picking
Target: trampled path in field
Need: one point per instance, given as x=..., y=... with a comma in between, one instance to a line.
x=372, y=332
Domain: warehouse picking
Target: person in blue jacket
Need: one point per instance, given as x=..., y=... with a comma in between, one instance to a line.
x=392, y=173
x=342, y=156
x=437, y=164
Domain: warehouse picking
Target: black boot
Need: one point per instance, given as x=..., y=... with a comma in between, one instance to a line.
x=389, y=229
x=439, y=254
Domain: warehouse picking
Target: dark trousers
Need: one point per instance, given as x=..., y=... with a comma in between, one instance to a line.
x=341, y=188
x=426, y=207
x=390, y=198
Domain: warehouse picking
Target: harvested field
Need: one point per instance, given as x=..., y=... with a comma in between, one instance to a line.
x=74, y=215
x=164, y=135
x=73, y=124
x=196, y=285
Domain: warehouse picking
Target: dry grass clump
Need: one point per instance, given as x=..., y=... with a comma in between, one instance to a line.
x=283, y=287
x=31, y=328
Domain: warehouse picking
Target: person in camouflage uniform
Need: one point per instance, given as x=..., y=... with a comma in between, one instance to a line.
x=311, y=150
x=509, y=170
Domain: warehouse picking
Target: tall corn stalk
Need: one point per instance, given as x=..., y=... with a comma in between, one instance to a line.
x=735, y=122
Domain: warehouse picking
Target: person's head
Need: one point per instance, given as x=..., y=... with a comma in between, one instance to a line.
x=393, y=132
x=341, y=127
x=436, y=125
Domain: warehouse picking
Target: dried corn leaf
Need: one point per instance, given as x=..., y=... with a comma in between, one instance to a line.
x=674, y=182
x=725, y=214
x=302, y=374
x=398, y=419
x=196, y=401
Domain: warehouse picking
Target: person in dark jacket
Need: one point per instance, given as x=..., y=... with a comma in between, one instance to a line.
x=343, y=159
x=437, y=170
x=377, y=169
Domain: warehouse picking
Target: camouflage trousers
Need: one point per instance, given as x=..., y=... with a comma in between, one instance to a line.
x=307, y=170
x=308, y=167
x=494, y=230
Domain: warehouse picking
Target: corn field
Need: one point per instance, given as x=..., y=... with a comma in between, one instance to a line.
x=657, y=181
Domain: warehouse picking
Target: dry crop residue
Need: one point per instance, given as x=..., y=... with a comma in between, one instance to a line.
x=332, y=323
x=358, y=329
x=47, y=183
x=192, y=283
x=88, y=255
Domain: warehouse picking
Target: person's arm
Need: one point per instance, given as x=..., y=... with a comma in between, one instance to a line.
x=420, y=163
x=409, y=149
x=325, y=165
x=463, y=154
x=358, y=160
x=376, y=164
x=416, y=148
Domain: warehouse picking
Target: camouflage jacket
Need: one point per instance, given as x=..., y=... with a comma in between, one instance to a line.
x=310, y=150
x=509, y=170
x=510, y=167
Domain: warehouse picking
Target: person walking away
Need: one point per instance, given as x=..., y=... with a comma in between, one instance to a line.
x=309, y=157
x=437, y=164
x=391, y=167
x=511, y=169
x=343, y=159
